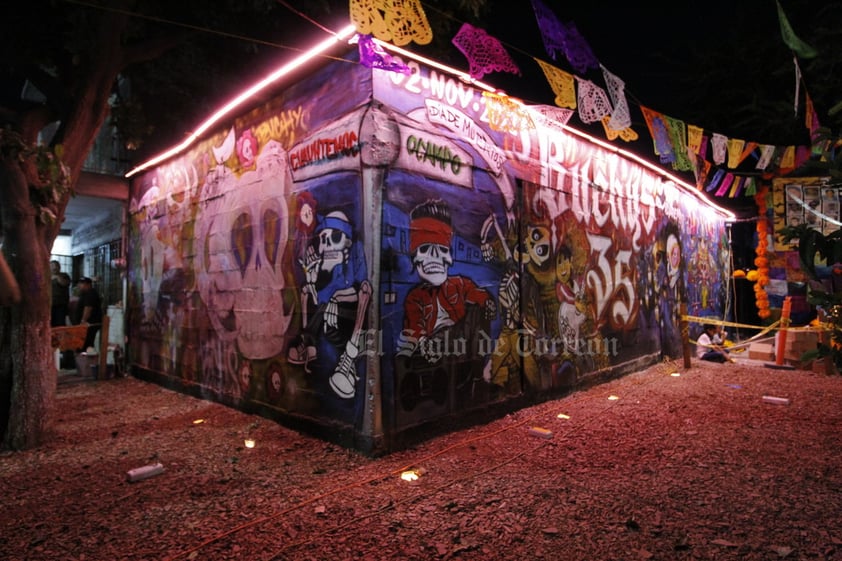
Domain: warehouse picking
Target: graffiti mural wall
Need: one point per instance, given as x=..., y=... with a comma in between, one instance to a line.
x=372, y=251
x=248, y=277
x=520, y=259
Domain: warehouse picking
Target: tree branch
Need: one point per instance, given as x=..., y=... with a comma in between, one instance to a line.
x=153, y=48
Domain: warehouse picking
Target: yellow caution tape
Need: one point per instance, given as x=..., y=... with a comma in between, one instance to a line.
x=765, y=329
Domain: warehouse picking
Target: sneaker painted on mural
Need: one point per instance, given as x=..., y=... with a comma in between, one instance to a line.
x=344, y=378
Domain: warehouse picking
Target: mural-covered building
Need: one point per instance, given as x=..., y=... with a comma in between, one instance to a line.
x=370, y=252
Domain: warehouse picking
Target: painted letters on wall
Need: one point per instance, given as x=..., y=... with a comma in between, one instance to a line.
x=557, y=258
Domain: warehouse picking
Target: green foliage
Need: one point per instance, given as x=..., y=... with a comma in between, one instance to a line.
x=812, y=244
x=743, y=87
x=827, y=157
x=51, y=180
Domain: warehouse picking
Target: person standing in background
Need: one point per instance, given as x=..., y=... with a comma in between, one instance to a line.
x=60, y=295
x=88, y=310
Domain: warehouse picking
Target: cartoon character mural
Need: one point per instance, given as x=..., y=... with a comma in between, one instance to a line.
x=150, y=272
x=440, y=300
x=527, y=303
x=702, y=270
x=575, y=322
x=334, y=299
x=671, y=286
x=166, y=282
x=440, y=310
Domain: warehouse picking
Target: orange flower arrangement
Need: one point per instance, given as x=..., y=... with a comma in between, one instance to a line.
x=762, y=261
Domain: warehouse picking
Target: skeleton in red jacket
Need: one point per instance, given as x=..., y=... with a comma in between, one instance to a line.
x=440, y=300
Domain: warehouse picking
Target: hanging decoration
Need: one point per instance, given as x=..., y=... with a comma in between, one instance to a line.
x=751, y=186
x=577, y=50
x=719, y=143
x=767, y=151
x=762, y=260
x=683, y=145
x=660, y=134
x=726, y=183
x=620, y=115
x=552, y=117
x=396, y=21
x=737, y=186
x=695, y=140
x=558, y=36
x=626, y=134
x=593, y=102
x=735, y=150
x=792, y=41
x=811, y=118
x=562, y=83
x=788, y=160
x=552, y=31
x=702, y=170
x=797, y=85
x=678, y=137
x=484, y=53
x=372, y=55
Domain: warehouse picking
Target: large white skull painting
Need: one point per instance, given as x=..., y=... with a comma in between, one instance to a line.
x=432, y=262
x=430, y=236
x=242, y=235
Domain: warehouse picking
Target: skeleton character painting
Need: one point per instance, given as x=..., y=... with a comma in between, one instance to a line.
x=702, y=269
x=440, y=300
x=441, y=308
x=672, y=291
x=521, y=305
x=334, y=301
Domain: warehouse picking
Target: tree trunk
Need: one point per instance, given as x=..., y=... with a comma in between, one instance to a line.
x=27, y=371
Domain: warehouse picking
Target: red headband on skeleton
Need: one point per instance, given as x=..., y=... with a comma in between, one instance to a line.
x=428, y=230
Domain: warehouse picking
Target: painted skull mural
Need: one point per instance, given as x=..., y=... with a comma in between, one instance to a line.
x=242, y=235
x=151, y=251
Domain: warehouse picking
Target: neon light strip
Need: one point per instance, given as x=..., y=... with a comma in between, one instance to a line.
x=599, y=142
x=444, y=68
x=346, y=32
x=226, y=109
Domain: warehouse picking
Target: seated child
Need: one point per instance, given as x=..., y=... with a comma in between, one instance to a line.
x=709, y=345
